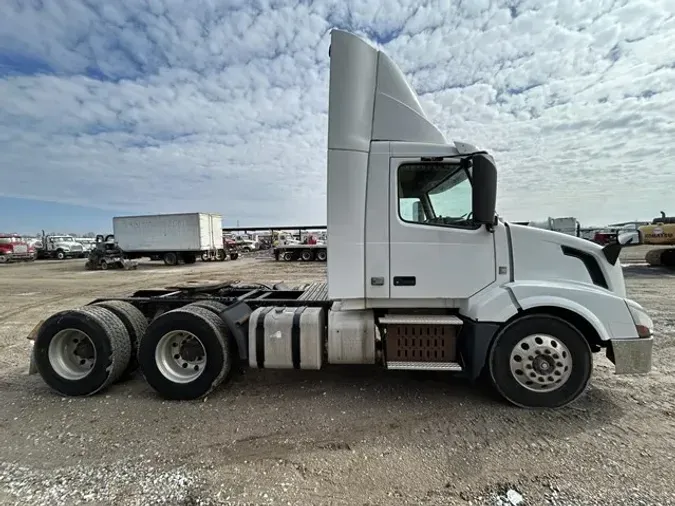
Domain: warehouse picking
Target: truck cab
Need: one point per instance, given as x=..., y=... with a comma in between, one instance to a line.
x=61, y=247
x=423, y=251
x=14, y=248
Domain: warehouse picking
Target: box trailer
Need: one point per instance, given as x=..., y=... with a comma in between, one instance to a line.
x=451, y=288
x=173, y=238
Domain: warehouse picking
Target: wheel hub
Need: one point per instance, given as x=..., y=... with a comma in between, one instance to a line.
x=541, y=363
x=71, y=354
x=180, y=356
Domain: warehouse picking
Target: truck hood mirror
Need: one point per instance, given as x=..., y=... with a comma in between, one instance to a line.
x=484, y=190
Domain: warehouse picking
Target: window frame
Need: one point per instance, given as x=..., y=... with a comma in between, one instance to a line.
x=425, y=199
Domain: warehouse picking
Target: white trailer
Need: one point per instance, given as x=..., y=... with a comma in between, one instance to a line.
x=450, y=287
x=173, y=238
x=566, y=225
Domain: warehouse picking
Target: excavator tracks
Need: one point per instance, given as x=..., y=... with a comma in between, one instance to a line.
x=661, y=257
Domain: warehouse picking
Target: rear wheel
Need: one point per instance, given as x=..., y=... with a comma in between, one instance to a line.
x=212, y=305
x=321, y=255
x=136, y=324
x=306, y=255
x=185, y=354
x=288, y=256
x=540, y=361
x=170, y=258
x=82, y=351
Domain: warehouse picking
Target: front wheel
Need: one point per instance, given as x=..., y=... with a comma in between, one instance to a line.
x=540, y=361
x=60, y=255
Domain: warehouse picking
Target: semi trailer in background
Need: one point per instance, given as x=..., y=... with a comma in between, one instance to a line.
x=173, y=238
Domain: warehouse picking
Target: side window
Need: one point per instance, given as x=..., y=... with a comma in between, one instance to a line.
x=411, y=210
x=435, y=193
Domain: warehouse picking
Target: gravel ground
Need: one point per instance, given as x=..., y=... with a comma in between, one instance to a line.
x=342, y=436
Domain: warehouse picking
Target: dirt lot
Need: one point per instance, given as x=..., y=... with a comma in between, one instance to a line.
x=364, y=437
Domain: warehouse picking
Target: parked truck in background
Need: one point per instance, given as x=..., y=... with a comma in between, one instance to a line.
x=13, y=248
x=173, y=238
x=451, y=288
x=60, y=247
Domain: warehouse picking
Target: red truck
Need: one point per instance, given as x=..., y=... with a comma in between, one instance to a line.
x=14, y=248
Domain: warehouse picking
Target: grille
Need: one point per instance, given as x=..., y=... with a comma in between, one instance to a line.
x=421, y=343
x=20, y=248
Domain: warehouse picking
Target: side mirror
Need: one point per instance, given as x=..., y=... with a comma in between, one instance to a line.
x=484, y=191
x=631, y=237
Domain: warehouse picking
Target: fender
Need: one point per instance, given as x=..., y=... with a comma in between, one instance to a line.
x=604, y=310
x=495, y=304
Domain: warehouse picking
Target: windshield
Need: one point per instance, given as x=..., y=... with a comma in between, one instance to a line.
x=436, y=193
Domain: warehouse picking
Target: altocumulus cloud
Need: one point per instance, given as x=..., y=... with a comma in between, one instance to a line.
x=170, y=105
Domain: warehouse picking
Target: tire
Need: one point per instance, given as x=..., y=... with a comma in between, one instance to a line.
x=288, y=256
x=170, y=258
x=213, y=306
x=217, y=308
x=306, y=255
x=321, y=255
x=233, y=256
x=190, y=258
x=136, y=324
x=106, y=335
x=573, y=379
x=204, y=325
x=104, y=265
x=60, y=255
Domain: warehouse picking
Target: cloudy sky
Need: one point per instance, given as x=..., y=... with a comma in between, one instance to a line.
x=221, y=105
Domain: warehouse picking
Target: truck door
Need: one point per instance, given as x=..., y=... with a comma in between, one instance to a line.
x=436, y=251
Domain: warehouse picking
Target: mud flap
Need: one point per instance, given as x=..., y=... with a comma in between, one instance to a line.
x=32, y=367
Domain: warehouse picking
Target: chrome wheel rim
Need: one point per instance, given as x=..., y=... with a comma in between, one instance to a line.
x=541, y=363
x=180, y=356
x=72, y=354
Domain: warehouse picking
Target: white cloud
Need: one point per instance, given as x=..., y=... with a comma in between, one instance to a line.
x=221, y=105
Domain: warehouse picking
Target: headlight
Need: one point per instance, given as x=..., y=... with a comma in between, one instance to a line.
x=643, y=322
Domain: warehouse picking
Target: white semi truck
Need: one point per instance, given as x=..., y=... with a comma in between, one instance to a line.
x=450, y=287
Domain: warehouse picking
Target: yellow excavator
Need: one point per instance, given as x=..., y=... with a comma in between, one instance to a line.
x=660, y=232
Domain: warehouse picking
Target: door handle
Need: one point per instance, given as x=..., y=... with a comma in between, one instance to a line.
x=405, y=280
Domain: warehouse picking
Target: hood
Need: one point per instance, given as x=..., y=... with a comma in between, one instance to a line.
x=551, y=236
x=547, y=255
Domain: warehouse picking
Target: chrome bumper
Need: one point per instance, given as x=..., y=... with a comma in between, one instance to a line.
x=631, y=356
